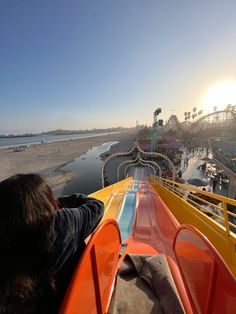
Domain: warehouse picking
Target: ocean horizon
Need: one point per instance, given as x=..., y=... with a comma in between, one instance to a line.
x=6, y=142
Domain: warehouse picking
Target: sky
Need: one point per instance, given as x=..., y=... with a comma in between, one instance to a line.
x=74, y=64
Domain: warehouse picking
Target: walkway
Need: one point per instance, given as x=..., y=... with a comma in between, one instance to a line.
x=193, y=171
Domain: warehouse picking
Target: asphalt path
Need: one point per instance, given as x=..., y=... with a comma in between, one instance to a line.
x=193, y=171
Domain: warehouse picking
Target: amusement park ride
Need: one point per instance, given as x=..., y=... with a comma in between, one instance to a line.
x=156, y=251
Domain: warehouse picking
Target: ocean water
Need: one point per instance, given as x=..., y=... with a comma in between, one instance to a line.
x=37, y=139
x=88, y=169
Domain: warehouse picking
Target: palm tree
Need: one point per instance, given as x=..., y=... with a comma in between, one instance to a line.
x=194, y=115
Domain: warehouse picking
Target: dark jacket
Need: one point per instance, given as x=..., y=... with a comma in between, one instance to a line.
x=78, y=217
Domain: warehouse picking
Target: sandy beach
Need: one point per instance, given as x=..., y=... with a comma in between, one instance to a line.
x=46, y=159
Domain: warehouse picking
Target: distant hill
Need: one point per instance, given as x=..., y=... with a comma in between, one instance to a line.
x=64, y=132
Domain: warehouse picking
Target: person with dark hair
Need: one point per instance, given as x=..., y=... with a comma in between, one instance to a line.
x=180, y=173
x=214, y=182
x=41, y=240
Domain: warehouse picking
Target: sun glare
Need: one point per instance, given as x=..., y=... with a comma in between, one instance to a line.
x=219, y=95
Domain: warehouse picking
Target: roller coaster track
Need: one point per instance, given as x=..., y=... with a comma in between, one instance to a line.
x=217, y=119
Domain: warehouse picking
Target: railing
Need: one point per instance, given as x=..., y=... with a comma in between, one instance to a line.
x=213, y=215
x=218, y=208
x=219, y=154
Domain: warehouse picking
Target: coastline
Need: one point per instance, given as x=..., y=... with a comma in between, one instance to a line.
x=47, y=159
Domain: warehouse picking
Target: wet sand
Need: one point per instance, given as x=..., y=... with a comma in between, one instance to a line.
x=46, y=159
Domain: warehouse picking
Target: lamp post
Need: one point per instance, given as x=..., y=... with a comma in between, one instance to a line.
x=154, y=130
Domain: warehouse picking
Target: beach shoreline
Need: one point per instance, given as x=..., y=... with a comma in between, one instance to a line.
x=47, y=159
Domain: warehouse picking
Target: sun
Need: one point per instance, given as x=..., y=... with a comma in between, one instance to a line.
x=219, y=95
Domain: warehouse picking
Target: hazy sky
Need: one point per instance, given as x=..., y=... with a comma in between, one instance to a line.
x=102, y=63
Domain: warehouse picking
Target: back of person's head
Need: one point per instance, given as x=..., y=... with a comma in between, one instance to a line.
x=27, y=209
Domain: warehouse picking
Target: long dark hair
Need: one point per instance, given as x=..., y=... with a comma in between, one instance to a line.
x=27, y=209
